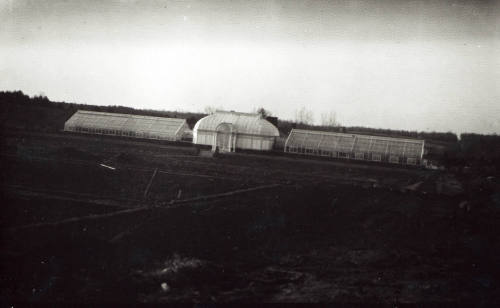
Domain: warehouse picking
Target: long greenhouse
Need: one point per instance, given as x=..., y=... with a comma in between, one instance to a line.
x=128, y=125
x=354, y=146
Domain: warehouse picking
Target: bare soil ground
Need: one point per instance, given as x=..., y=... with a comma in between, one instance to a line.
x=326, y=232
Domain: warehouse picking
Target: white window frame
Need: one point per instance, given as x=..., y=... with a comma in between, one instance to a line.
x=376, y=157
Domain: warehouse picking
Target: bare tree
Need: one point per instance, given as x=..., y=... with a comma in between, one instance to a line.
x=329, y=119
x=304, y=116
x=210, y=109
x=263, y=112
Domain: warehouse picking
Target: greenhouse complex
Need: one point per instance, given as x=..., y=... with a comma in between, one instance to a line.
x=231, y=130
x=354, y=146
x=227, y=131
x=129, y=125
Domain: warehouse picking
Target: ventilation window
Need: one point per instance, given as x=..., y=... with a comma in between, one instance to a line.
x=376, y=157
x=394, y=159
x=411, y=161
x=343, y=155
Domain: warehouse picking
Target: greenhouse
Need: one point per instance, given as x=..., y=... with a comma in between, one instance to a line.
x=354, y=146
x=229, y=130
x=128, y=125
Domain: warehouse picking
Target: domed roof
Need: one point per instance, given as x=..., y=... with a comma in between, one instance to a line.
x=243, y=123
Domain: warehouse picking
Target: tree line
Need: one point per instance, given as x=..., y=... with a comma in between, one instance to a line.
x=38, y=113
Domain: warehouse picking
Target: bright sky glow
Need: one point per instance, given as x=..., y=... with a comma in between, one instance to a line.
x=389, y=64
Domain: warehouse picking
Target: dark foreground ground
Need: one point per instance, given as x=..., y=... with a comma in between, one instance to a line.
x=312, y=231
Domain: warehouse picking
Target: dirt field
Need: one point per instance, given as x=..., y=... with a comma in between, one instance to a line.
x=311, y=231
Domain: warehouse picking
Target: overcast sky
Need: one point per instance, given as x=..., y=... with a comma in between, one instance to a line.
x=416, y=65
